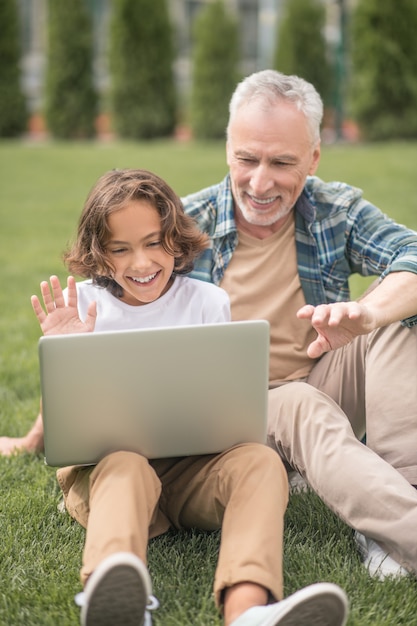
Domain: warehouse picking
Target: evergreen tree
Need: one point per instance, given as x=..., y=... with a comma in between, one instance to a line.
x=71, y=99
x=384, y=55
x=141, y=55
x=13, y=116
x=301, y=47
x=215, y=61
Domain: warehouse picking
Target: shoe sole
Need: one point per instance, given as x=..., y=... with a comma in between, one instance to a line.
x=322, y=604
x=117, y=593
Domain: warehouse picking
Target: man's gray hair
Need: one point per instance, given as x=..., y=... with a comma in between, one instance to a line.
x=269, y=86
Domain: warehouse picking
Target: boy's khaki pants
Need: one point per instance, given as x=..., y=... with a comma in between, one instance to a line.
x=125, y=500
x=368, y=386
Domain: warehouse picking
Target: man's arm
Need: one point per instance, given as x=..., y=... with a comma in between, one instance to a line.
x=392, y=300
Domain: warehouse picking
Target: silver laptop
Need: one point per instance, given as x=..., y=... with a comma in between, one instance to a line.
x=163, y=392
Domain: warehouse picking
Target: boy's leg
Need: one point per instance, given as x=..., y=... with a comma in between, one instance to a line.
x=118, y=503
x=243, y=491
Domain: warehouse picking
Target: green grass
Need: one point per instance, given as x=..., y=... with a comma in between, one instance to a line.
x=42, y=189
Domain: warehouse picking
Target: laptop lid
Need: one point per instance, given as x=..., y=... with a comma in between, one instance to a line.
x=162, y=392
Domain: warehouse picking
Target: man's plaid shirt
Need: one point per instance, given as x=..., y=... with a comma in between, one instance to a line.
x=337, y=233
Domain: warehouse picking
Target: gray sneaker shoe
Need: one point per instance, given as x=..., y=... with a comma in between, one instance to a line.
x=118, y=592
x=378, y=562
x=296, y=483
x=322, y=604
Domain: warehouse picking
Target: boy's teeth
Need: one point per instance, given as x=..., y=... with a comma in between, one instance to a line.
x=144, y=280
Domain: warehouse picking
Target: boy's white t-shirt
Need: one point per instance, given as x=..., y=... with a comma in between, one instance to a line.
x=188, y=301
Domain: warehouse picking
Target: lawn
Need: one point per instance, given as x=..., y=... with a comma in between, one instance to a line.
x=42, y=189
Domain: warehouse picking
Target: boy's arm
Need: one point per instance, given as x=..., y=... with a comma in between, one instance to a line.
x=58, y=316
x=55, y=317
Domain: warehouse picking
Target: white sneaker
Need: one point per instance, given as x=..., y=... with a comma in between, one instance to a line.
x=322, y=604
x=378, y=562
x=118, y=592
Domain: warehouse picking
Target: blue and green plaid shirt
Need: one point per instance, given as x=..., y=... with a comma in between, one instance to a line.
x=337, y=233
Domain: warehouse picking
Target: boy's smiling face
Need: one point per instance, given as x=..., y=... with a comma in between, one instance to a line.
x=142, y=267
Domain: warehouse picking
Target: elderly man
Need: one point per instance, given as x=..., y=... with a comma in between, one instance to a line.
x=283, y=245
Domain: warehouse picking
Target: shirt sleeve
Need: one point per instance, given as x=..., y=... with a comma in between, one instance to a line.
x=377, y=245
x=217, y=306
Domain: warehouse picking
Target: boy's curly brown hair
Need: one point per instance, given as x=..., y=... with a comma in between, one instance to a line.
x=180, y=235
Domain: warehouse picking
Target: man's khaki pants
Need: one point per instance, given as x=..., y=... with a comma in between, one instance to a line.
x=368, y=386
x=125, y=500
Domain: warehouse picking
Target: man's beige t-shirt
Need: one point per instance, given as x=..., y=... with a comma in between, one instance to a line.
x=263, y=283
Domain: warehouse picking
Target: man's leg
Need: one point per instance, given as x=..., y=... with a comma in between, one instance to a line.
x=311, y=432
x=391, y=397
x=372, y=381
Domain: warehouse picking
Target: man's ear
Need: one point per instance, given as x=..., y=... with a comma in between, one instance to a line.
x=315, y=160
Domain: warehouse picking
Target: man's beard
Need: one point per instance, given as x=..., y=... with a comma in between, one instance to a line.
x=258, y=218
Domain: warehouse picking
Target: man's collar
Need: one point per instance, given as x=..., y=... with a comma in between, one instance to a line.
x=305, y=207
x=225, y=222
